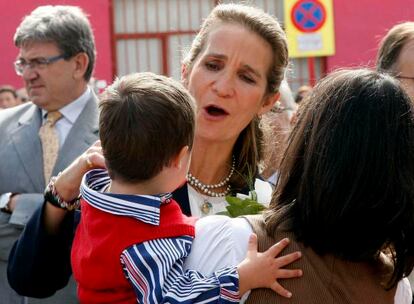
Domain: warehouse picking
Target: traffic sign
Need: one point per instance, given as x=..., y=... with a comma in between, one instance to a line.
x=308, y=15
x=309, y=27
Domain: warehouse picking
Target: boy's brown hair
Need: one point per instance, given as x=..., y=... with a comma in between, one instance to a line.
x=145, y=120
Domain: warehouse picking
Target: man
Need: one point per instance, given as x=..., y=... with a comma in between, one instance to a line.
x=8, y=97
x=396, y=55
x=40, y=138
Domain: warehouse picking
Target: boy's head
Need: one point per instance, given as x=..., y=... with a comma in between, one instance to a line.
x=145, y=122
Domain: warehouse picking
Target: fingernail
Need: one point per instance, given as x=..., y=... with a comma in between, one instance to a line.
x=289, y=294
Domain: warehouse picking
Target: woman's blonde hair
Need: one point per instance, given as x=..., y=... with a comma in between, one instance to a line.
x=248, y=149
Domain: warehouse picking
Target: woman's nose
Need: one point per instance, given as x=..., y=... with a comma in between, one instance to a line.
x=223, y=85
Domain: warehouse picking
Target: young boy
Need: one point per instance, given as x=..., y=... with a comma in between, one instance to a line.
x=132, y=239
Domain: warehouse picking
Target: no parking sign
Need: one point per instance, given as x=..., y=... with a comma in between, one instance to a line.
x=309, y=27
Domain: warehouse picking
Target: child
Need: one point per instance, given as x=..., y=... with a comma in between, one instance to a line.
x=132, y=239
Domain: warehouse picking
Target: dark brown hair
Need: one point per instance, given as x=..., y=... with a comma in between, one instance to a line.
x=249, y=146
x=8, y=88
x=145, y=120
x=346, y=183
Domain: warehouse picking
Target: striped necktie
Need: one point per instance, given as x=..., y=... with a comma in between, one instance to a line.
x=50, y=143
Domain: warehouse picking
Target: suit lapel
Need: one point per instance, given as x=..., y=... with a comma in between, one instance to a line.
x=28, y=147
x=82, y=135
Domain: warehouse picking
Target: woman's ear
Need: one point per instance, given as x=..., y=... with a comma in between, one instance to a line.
x=268, y=103
x=81, y=61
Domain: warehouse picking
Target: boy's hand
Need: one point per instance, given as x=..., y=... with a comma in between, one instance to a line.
x=261, y=270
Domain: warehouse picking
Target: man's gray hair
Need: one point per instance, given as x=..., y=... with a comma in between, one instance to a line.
x=66, y=26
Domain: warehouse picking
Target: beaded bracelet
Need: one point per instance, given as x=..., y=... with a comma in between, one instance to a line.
x=54, y=198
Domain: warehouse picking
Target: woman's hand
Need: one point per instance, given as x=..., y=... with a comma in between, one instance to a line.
x=262, y=270
x=68, y=182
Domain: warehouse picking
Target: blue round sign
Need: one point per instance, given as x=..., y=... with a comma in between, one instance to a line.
x=308, y=15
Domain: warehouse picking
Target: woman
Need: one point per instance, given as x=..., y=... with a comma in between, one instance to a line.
x=345, y=197
x=234, y=69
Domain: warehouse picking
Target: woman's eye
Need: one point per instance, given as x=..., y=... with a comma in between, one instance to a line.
x=247, y=78
x=212, y=66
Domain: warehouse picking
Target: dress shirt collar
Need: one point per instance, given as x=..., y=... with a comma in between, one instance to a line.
x=145, y=208
x=72, y=110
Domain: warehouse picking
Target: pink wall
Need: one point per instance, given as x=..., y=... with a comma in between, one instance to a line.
x=359, y=27
x=98, y=11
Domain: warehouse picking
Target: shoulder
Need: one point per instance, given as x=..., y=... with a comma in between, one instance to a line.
x=222, y=226
x=11, y=118
x=16, y=112
x=220, y=242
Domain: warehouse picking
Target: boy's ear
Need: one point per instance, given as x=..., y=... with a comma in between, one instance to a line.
x=178, y=159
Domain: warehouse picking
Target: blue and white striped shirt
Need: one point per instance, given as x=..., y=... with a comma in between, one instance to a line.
x=155, y=268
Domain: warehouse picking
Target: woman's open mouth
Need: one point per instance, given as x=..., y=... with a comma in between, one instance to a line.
x=215, y=111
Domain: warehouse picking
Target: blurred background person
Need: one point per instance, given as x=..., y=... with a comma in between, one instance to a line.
x=8, y=97
x=22, y=95
x=396, y=55
x=278, y=127
x=302, y=92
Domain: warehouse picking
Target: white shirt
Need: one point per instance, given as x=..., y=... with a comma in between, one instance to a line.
x=69, y=113
x=221, y=241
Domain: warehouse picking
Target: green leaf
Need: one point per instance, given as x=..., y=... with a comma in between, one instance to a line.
x=232, y=200
x=238, y=206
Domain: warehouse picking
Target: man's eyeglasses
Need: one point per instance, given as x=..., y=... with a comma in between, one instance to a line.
x=37, y=63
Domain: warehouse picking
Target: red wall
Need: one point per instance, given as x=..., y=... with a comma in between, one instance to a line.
x=98, y=11
x=359, y=27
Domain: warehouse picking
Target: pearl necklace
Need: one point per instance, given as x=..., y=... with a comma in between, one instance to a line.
x=195, y=182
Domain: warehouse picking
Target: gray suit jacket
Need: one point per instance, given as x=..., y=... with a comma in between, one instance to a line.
x=21, y=163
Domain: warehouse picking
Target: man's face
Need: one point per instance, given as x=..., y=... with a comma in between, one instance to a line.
x=7, y=100
x=49, y=86
x=405, y=68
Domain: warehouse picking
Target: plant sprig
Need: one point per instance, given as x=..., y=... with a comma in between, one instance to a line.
x=242, y=206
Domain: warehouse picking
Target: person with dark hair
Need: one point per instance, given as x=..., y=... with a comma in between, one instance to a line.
x=233, y=70
x=8, y=97
x=345, y=197
x=40, y=138
x=396, y=55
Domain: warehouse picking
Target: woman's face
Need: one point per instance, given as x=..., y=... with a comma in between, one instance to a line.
x=228, y=81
